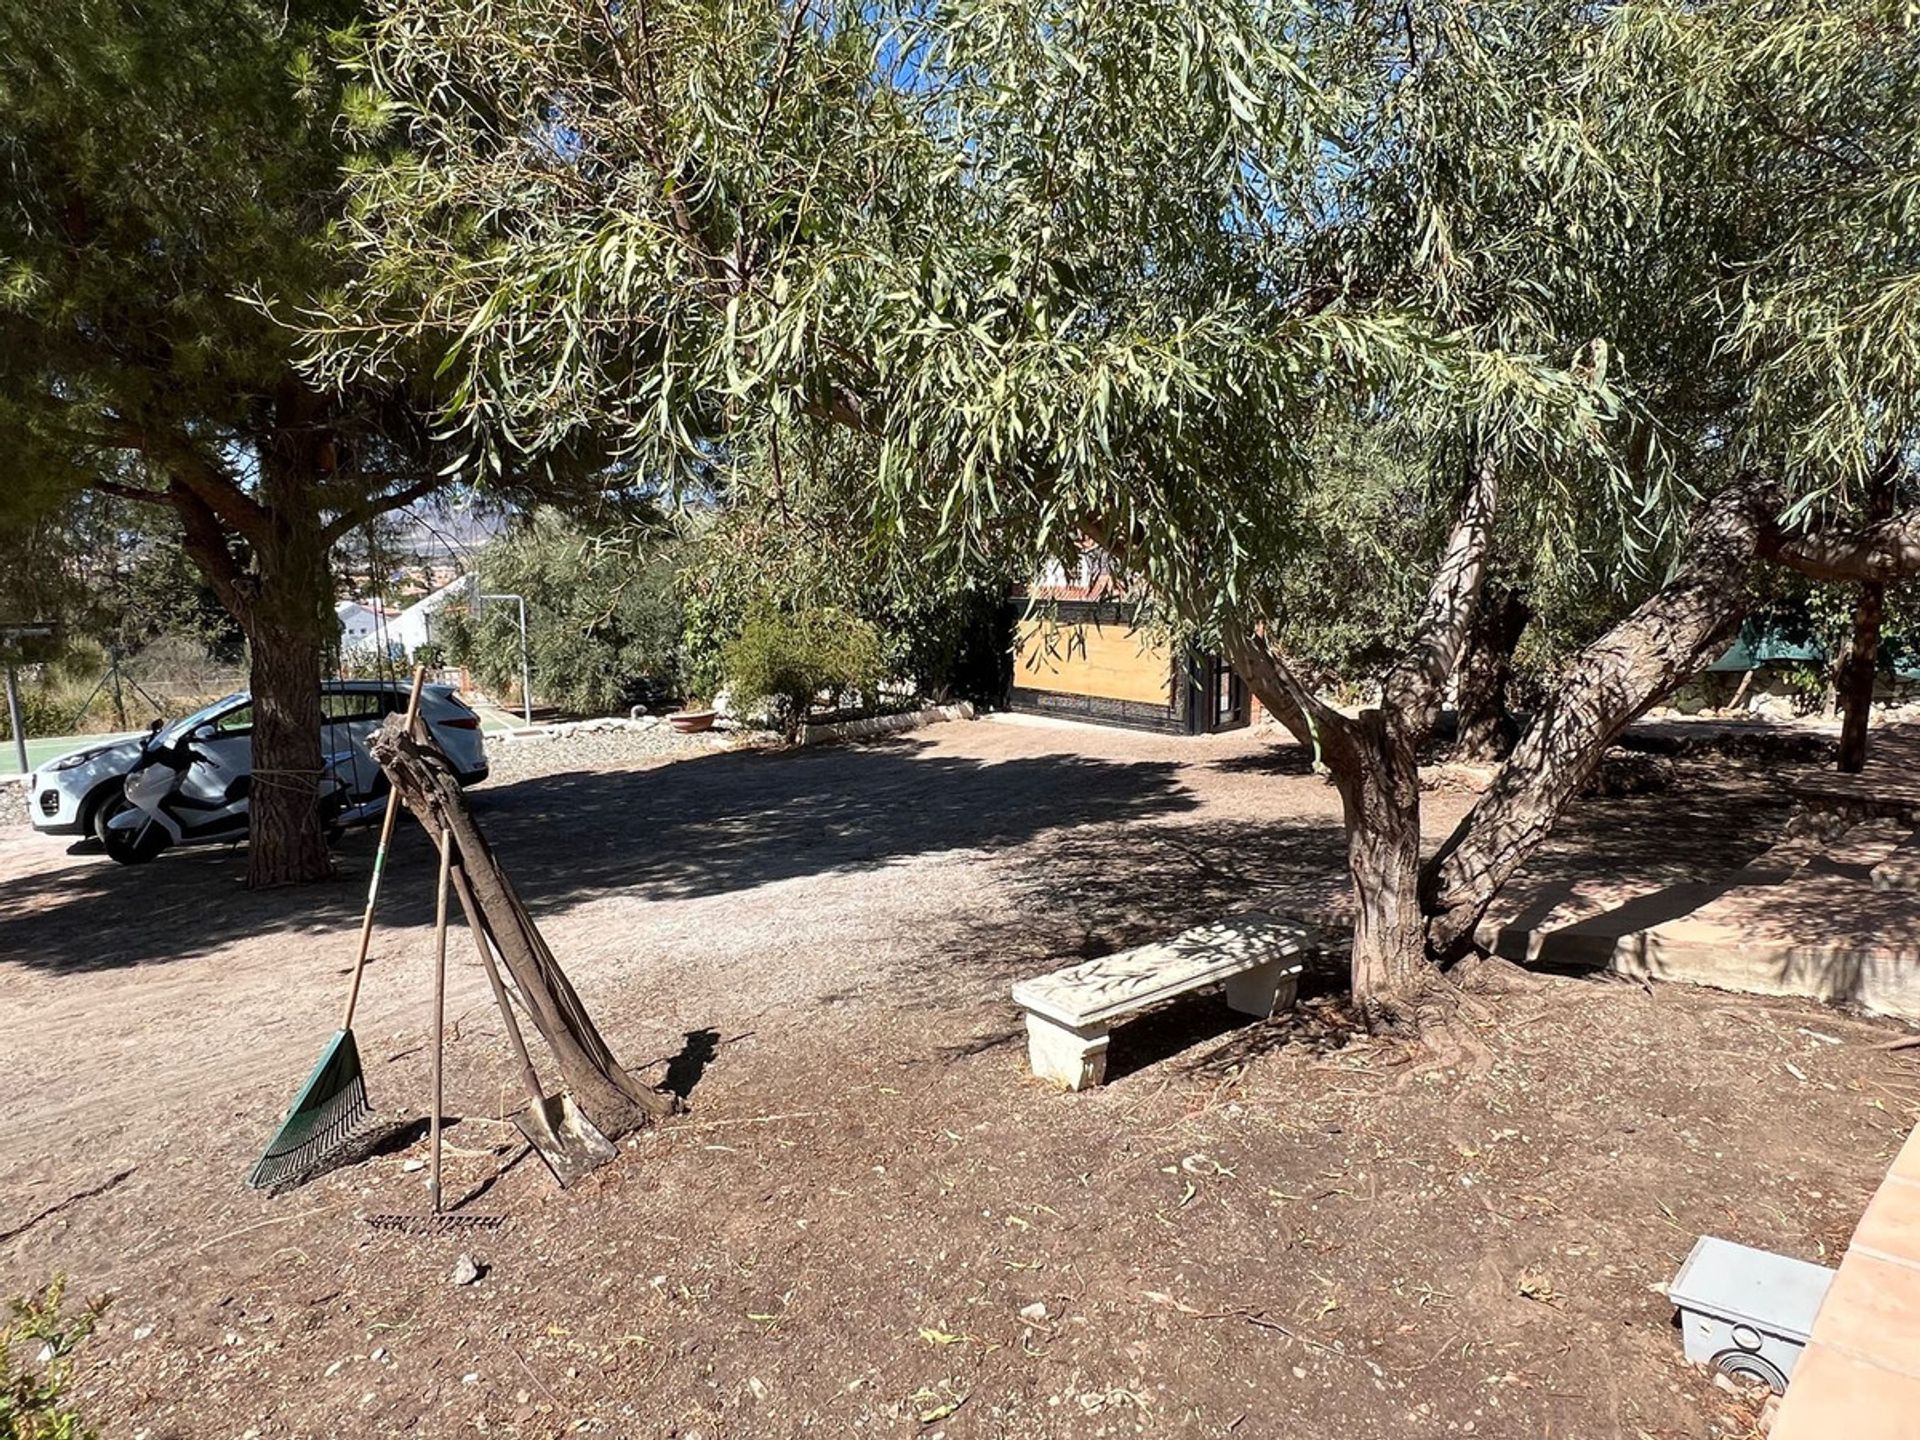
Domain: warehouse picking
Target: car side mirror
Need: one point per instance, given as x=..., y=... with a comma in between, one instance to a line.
x=154, y=728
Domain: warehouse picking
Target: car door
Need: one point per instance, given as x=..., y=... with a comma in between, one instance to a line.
x=350, y=718
x=340, y=715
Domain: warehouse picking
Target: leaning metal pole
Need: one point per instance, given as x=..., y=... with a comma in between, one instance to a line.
x=15, y=719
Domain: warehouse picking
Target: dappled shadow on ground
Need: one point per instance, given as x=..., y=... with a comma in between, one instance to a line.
x=1093, y=891
x=1280, y=758
x=702, y=827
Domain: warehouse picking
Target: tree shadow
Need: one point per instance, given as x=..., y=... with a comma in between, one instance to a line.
x=708, y=826
x=1091, y=892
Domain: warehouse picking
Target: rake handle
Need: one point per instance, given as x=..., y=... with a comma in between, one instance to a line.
x=380, y=861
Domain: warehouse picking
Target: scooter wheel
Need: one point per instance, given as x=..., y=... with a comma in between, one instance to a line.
x=130, y=847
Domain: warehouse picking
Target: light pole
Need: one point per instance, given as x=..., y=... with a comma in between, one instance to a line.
x=526, y=669
x=15, y=719
x=16, y=646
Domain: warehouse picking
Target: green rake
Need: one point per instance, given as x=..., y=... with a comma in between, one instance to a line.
x=332, y=1107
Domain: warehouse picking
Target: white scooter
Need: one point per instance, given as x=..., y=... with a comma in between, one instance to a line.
x=186, y=793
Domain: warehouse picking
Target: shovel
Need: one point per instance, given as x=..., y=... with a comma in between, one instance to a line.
x=569, y=1143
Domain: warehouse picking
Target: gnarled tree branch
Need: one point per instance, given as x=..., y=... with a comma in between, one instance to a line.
x=1413, y=688
x=1883, y=551
x=1670, y=637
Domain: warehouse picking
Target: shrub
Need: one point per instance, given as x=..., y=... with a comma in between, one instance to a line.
x=602, y=616
x=789, y=660
x=44, y=710
x=37, y=1345
x=939, y=638
x=373, y=662
x=432, y=654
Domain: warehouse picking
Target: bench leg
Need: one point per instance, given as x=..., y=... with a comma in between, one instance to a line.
x=1263, y=991
x=1074, y=1058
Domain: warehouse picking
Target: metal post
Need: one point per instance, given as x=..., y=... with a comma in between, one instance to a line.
x=15, y=719
x=526, y=666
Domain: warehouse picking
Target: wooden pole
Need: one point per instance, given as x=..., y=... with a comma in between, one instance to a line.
x=612, y=1099
x=439, y=1012
x=380, y=864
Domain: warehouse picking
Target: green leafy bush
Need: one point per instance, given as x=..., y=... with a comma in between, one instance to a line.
x=937, y=638
x=369, y=661
x=44, y=710
x=37, y=1346
x=603, y=618
x=432, y=654
x=788, y=660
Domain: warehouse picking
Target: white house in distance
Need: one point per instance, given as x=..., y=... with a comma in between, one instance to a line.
x=360, y=620
x=370, y=623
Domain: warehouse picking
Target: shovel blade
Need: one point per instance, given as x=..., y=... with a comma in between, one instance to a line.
x=564, y=1139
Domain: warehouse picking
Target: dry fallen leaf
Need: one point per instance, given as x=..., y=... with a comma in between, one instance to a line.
x=943, y=1410
x=1538, y=1285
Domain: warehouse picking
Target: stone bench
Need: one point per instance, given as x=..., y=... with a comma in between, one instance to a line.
x=1070, y=1012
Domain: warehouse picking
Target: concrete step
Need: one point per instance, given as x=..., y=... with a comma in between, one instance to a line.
x=1901, y=869
x=1829, y=936
x=1862, y=848
x=1783, y=861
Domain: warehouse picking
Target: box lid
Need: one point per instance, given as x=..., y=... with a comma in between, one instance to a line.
x=1774, y=1293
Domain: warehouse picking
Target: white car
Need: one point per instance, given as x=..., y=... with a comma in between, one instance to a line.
x=74, y=794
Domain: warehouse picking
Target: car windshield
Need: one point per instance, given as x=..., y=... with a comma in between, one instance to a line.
x=172, y=733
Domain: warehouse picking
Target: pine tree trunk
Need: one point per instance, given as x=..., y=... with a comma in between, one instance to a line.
x=286, y=608
x=286, y=840
x=288, y=618
x=1856, y=675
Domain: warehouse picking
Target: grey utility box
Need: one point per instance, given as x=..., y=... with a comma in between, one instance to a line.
x=1746, y=1312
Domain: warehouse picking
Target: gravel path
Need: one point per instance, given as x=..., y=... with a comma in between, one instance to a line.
x=598, y=745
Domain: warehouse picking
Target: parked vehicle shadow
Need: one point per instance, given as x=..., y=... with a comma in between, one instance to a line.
x=727, y=822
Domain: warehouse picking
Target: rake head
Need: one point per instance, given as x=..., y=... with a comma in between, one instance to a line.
x=443, y=1223
x=329, y=1110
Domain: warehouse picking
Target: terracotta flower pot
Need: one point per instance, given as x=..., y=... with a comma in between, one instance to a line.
x=691, y=722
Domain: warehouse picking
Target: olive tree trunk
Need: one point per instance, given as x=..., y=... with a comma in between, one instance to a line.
x=1854, y=681
x=1377, y=774
x=1669, y=638
x=1374, y=759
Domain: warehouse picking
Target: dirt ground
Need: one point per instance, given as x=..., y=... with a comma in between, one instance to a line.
x=871, y=1220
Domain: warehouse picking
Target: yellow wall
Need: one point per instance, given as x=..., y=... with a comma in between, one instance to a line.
x=1110, y=661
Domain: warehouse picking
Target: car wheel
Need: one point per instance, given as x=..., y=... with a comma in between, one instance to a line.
x=104, y=799
x=129, y=847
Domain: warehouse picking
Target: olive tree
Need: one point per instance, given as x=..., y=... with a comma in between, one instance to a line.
x=1111, y=274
